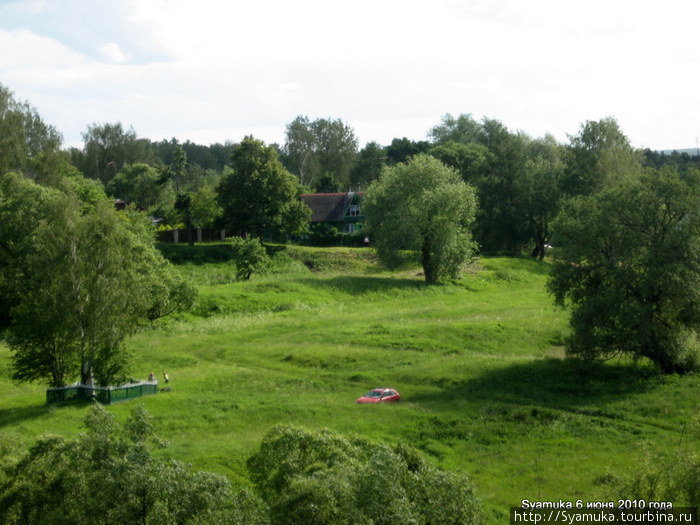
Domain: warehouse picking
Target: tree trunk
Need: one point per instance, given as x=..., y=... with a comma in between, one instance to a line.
x=86, y=374
x=425, y=262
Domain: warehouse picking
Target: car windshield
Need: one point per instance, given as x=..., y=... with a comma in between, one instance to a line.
x=373, y=393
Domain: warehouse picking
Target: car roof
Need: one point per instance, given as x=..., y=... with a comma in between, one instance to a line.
x=381, y=389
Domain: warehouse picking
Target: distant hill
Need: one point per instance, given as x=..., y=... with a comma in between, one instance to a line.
x=690, y=151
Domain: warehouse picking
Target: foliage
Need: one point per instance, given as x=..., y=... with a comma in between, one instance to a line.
x=205, y=209
x=461, y=129
x=22, y=205
x=28, y=144
x=425, y=207
x=629, y=270
x=501, y=223
x=541, y=189
x=112, y=477
x=93, y=275
x=321, y=477
x=249, y=255
x=137, y=184
x=107, y=149
x=368, y=165
x=401, y=150
x=599, y=156
x=322, y=146
x=260, y=195
x=323, y=234
x=663, y=476
x=472, y=161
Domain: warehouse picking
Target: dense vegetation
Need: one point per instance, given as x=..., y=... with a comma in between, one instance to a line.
x=257, y=334
x=479, y=363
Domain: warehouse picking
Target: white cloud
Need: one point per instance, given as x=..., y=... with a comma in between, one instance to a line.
x=113, y=53
x=389, y=68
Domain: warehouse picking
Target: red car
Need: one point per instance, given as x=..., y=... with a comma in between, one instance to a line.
x=380, y=395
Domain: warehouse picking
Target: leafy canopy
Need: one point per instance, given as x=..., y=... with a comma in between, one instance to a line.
x=321, y=477
x=629, y=270
x=249, y=255
x=112, y=477
x=81, y=280
x=259, y=195
x=425, y=207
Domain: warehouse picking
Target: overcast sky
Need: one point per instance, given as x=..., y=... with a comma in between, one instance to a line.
x=211, y=71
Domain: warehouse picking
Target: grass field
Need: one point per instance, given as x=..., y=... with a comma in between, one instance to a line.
x=479, y=364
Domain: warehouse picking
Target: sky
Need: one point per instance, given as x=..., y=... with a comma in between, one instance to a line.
x=217, y=70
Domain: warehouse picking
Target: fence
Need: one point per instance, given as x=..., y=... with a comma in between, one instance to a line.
x=198, y=235
x=105, y=395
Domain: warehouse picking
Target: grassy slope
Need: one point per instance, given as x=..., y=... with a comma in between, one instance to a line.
x=477, y=363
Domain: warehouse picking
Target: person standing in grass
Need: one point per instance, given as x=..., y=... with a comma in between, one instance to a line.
x=166, y=378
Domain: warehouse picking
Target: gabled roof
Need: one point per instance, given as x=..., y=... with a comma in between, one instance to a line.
x=328, y=207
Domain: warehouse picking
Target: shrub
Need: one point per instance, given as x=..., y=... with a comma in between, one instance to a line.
x=249, y=255
x=112, y=477
x=321, y=477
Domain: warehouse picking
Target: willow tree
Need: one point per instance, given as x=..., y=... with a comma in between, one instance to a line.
x=424, y=207
x=628, y=268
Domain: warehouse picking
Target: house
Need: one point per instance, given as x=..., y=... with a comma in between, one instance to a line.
x=341, y=210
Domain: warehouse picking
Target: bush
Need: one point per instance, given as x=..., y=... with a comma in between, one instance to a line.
x=321, y=477
x=249, y=255
x=112, y=477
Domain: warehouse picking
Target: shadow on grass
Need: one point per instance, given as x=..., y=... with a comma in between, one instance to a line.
x=197, y=254
x=359, y=285
x=13, y=416
x=550, y=382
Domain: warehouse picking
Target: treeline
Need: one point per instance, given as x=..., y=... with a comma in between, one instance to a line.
x=626, y=230
x=520, y=181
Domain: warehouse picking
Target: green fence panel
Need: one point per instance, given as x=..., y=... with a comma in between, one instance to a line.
x=104, y=395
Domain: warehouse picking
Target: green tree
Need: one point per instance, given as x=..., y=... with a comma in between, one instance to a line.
x=91, y=278
x=599, y=156
x=299, y=150
x=541, y=188
x=401, y=150
x=107, y=148
x=321, y=477
x=175, y=173
x=23, y=204
x=249, y=255
x=368, y=164
x=425, y=207
x=463, y=129
x=259, y=195
x=205, y=209
x=138, y=184
x=27, y=144
x=472, y=161
x=322, y=146
x=502, y=223
x=112, y=476
x=628, y=268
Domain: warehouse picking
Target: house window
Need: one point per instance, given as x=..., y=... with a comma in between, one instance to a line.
x=354, y=210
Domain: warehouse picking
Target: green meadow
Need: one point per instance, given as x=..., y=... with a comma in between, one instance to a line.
x=479, y=364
